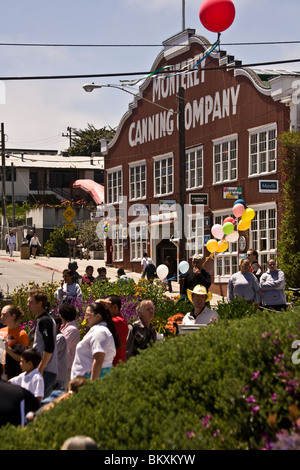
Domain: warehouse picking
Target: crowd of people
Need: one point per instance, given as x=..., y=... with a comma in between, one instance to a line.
x=46, y=363
x=52, y=357
x=252, y=284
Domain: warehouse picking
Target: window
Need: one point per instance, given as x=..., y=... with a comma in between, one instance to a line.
x=117, y=240
x=194, y=168
x=114, y=186
x=263, y=150
x=225, y=159
x=226, y=263
x=163, y=176
x=137, y=181
x=263, y=236
x=138, y=234
x=196, y=235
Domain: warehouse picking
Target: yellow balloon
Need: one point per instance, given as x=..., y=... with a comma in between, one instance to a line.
x=249, y=214
x=223, y=246
x=244, y=225
x=212, y=245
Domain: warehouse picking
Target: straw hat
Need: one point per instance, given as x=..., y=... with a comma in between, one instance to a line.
x=199, y=290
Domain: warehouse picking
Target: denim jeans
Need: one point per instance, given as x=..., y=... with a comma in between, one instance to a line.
x=49, y=380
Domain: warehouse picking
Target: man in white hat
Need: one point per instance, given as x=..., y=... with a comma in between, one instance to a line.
x=195, y=276
x=201, y=313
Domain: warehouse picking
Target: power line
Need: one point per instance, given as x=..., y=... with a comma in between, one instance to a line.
x=164, y=72
x=264, y=43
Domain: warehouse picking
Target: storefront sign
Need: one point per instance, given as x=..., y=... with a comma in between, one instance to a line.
x=199, y=199
x=268, y=186
x=232, y=192
x=167, y=205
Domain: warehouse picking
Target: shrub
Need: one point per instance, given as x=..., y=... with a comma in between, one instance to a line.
x=226, y=386
x=57, y=245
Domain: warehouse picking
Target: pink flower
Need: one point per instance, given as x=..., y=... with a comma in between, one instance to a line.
x=190, y=434
x=255, y=375
x=251, y=399
x=205, y=421
x=255, y=409
x=274, y=397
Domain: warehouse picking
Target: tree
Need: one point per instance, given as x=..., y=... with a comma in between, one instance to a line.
x=87, y=235
x=87, y=141
x=289, y=241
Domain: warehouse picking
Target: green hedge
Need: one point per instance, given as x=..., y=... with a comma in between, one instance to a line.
x=227, y=386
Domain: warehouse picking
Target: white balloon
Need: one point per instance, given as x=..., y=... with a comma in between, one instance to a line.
x=162, y=271
x=232, y=237
x=217, y=231
x=183, y=267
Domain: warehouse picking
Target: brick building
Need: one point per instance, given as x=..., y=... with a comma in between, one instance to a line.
x=232, y=119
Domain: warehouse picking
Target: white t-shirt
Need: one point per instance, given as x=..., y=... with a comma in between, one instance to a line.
x=97, y=339
x=32, y=381
x=203, y=318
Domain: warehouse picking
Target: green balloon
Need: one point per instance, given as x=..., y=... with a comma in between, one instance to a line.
x=228, y=228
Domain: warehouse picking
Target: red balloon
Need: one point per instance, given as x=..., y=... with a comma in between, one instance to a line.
x=228, y=219
x=217, y=15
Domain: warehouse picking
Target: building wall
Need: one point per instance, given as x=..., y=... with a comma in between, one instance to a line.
x=219, y=104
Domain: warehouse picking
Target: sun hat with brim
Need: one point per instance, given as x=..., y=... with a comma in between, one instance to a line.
x=199, y=290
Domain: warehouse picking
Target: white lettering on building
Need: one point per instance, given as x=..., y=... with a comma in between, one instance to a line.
x=206, y=109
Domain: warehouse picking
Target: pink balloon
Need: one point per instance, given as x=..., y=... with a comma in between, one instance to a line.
x=238, y=210
x=217, y=231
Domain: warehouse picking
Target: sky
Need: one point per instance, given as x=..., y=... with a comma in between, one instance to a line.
x=37, y=112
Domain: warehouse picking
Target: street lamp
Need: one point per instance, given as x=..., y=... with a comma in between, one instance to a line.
x=89, y=87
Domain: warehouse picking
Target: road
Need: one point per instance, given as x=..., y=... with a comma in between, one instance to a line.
x=16, y=271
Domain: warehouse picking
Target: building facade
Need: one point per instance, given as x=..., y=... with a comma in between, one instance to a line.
x=232, y=119
x=38, y=173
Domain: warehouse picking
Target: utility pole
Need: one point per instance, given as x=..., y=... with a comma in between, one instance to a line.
x=3, y=175
x=182, y=171
x=69, y=129
x=183, y=15
x=13, y=194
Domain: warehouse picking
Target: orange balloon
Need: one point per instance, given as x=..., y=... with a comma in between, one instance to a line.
x=223, y=246
x=212, y=245
x=244, y=225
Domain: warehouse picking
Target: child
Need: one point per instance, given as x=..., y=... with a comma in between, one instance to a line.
x=30, y=378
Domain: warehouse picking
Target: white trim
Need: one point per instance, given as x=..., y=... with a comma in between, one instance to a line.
x=161, y=158
x=255, y=132
x=221, y=141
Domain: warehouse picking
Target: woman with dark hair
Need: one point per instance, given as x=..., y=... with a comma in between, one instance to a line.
x=68, y=289
x=95, y=352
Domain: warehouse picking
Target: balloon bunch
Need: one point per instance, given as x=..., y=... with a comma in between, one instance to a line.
x=106, y=226
x=229, y=231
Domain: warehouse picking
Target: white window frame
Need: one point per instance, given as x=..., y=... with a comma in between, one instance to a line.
x=229, y=258
x=195, y=237
x=138, y=244
x=263, y=232
x=226, y=141
x=111, y=197
x=137, y=185
x=117, y=242
x=258, y=157
x=159, y=160
x=198, y=168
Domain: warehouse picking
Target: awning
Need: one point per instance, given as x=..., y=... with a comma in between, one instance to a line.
x=96, y=190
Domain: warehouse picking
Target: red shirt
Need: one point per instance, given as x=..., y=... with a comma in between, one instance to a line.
x=122, y=330
x=87, y=280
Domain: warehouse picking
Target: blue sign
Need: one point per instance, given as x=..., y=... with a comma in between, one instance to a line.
x=268, y=186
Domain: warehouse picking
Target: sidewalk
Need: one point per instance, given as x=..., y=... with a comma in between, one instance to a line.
x=59, y=264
